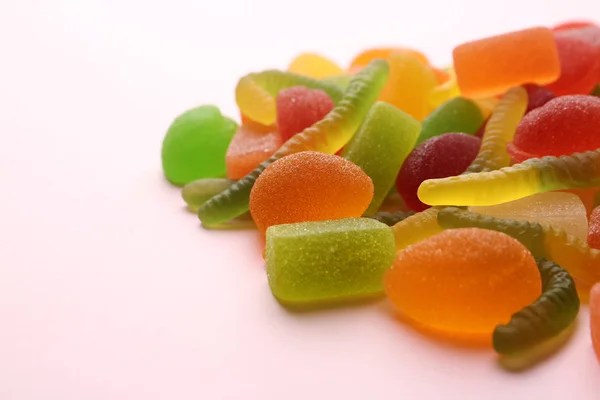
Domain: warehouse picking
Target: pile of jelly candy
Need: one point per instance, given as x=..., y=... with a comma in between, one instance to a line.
x=468, y=195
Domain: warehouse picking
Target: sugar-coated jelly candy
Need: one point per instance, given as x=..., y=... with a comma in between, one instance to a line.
x=409, y=84
x=309, y=186
x=490, y=66
x=299, y=107
x=441, y=156
x=314, y=66
x=558, y=209
x=252, y=144
x=569, y=25
x=593, y=236
x=579, y=65
x=328, y=136
x=380, y=146
x=455, y=115
x=562, y=126
x=195, y=145
x=595, y=318
x=440, y=283
x=328, y=260
x=255, y=93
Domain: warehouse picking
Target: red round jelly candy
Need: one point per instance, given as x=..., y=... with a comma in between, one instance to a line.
x=565, y=26
x=439, y=157
x=579, y=65
x=565, y=125
x=299, y=107
x=593, y=237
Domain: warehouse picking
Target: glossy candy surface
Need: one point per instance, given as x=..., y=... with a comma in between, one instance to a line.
x=328, y=260
x=314, y=66
x=440, y=283
x=455, y=115
x=255, y=93
x=328, y=136
x=560, y=127
x=252, y=144
x=299, y=108
x=309, y=186
x=380, y=146
x=492, y=65
x=195, y=145
x=441, y=156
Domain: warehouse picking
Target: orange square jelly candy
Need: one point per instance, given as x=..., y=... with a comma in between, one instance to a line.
x=490, y=66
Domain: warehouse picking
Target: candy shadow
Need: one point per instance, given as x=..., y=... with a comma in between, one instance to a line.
x=475, y=342
x=331, y=305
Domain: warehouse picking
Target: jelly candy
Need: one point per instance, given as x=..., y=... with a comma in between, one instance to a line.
x=328, y=260
x=595, y=318
x=549, y=315
x=572, y=25
x=409, y=84
x=252, y=144
x=195, y=144
x=441, y=156
x=537, y=96
x=327, y=136
x=579, y=65
x=593, y=237
x=439, y=283
x=415, y=228
x=560, y=127
x=537, y=175
x=490, y=66
x=314, y=66
x=596, y=91
x=444, y=91
x=380, y=146
x=309, y=186
x=255, y=93
x=455, y=115
x=558, y=209
x=364, y=58
x=499, y=130
x=543, y=241
x=198, y=192
x=299, y=107
x=391, y=218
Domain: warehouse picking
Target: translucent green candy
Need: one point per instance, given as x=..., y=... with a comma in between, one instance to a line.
x=327, y=136
x=198, y=192
x=195, y=145
x=455, y=115
x=325, y=261
x=380, y=146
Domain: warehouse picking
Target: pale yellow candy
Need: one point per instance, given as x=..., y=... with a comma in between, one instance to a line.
x=444, y=92
x=314, y=66
x=557, y=209
x=486, y=105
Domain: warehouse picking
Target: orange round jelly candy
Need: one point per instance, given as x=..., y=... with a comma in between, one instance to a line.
x=463, y=282
x=309, y=186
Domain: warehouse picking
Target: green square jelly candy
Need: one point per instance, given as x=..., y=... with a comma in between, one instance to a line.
x=328, y=260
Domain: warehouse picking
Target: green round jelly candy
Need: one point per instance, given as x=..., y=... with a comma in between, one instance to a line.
x=455, y=115
x=195, y=145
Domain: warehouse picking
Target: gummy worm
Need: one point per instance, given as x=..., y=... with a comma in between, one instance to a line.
x=198, y=192
x=416, y=228
x=546, y=317
x=255, y=93
x=536, y=175
x=499, y=131
x=327, y=136
x=391, y=218
x=574, y=255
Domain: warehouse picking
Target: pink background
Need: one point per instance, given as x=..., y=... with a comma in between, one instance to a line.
x=110, y=290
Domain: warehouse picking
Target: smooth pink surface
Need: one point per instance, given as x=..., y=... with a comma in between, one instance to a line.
x=110, y=290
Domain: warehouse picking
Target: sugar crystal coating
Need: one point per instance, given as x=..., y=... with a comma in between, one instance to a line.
x=309, y=186
x=328, y=260
x=455, y=115
x=252, y=144
x=463, y=281
x=299, y=107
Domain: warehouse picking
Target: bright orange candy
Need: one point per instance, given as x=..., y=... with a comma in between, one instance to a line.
x=490, y=66
x=463, y=282
x=367, y=56
x=595, y=318
x=252, y=144
x=309, y=186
